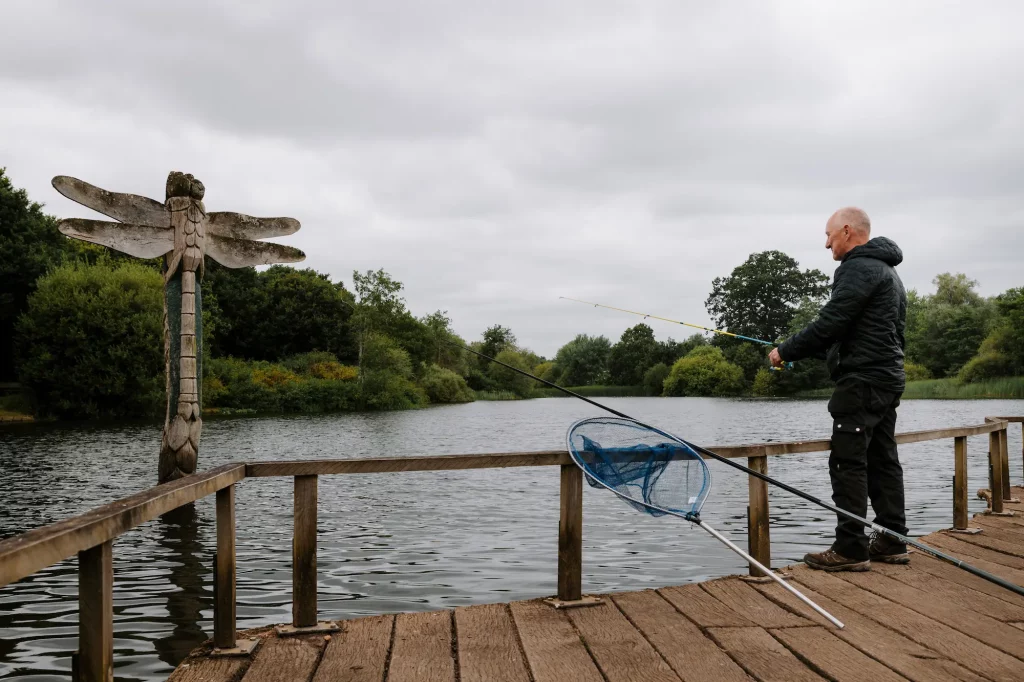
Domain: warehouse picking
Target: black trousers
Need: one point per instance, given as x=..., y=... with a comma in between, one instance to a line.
x=864, y=463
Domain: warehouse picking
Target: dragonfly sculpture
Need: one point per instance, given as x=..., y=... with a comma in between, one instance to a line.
x=183, y=233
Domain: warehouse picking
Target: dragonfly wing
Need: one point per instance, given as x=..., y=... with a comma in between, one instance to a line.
x=239, y=253
x=240, y=226
x=141, y=241
x=128, y=208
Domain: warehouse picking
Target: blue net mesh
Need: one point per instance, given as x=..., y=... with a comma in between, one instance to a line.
x=652, y=470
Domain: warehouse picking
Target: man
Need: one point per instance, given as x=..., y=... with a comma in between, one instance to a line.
x=859, y=332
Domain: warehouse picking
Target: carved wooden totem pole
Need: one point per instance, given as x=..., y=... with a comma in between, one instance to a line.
x=183, y=232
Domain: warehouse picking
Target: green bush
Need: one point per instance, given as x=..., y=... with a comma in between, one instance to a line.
x=704, y=372
x=548, y=371
x=387, y=383
x=654, y=379
x=268, y=387
x=91, y=341
x=989, y=365
x=504, y=379
x=445, y=386
x=916, y=372
x=764, y=383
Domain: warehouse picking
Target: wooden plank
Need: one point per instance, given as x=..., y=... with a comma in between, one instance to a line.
x=939, y=637
x=1004, y=457
x=702, y=608
x=487, y=647
x=619, y=649
x=692, y=656
x=224, y=669
x=742, y=598
x=908, y=658
x=285, y=659
x=29, y=552
x=422, y=651
x=967, y=620
x=952, y=592
x=553, y=650
x=758, y=531
x=1003, y=524
x=304, y=553
x=959, y=545
x=359, y=653
x=941, y=569
x=96, y=614
x=570, y=534
x=833, y=657
x=1011, y=548
x=762, y=655
x=376, y=465
x=960, y=482
x=224, y=586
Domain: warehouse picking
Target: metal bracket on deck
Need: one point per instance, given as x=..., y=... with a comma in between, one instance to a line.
x=243, y=647
x=585, y=600
x=966, y=531
x=323, y=627
x=989, y=512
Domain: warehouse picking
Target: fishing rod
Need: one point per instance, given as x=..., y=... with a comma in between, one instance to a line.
x=665, y=319
x=764, y=477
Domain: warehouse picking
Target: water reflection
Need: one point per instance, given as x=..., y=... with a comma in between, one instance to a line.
x=179, y=534
x=412, y=541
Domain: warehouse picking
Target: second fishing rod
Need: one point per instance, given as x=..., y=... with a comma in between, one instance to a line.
x=764, y=477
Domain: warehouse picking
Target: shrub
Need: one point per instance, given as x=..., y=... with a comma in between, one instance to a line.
x=91, y=341
x=548, y=371
x=764, y=383
x=445, y=386
x=916, y=372
x=387, y=376
x=704, y=372
x=504, y=379
x=988, y=365
x=654, y=379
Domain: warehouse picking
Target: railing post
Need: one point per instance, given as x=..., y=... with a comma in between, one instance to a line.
x=960, y=483
x=995, y=472
x=96, y=614
x=224, y=576
x=758, y=538
x=570, y=535
x=304, y=553
x=1004, y=457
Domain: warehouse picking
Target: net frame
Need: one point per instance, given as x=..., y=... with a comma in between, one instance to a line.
x=645, y=504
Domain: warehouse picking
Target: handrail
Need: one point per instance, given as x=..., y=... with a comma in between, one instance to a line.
x=91, y=535
x=25, y=554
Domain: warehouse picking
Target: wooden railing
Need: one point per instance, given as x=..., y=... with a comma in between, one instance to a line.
x=91, y=535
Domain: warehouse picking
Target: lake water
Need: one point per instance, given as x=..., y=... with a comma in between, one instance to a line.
x=417, y=541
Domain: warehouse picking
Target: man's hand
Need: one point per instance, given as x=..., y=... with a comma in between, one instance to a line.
x=776, y=359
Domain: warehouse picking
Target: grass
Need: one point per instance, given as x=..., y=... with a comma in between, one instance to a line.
x=593, y=392
x=496, y=395
x=15, y=407
x=950, y=389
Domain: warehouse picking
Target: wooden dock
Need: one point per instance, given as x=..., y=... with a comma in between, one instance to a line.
x=926, y=622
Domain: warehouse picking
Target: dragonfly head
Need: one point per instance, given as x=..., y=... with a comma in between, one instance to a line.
x=184, y=185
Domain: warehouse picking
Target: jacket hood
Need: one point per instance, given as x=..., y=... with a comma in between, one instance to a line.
x=882, y=248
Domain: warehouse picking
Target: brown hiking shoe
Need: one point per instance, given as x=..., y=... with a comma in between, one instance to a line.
x=831, y=561
x=888, y=551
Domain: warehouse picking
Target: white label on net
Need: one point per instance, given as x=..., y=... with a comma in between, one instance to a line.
x=692, y=500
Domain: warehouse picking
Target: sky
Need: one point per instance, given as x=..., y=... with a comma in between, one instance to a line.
x=494, y=156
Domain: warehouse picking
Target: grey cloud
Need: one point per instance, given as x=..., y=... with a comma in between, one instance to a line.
x=496, y=155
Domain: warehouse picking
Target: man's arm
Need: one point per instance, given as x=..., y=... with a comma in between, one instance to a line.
x=852, y=291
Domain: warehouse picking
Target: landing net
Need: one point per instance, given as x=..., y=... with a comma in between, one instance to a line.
x=653, y=471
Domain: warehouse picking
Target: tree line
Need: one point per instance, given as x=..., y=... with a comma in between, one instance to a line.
x=81, y=329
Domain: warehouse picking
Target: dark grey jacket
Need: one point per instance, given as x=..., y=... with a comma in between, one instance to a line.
x=860, y=331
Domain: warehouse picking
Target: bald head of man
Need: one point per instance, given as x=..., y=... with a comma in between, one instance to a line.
x=847, y=228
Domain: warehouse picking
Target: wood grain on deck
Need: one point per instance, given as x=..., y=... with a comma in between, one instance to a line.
x=925, y=622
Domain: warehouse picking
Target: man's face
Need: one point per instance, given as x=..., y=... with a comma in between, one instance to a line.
x=837, y=239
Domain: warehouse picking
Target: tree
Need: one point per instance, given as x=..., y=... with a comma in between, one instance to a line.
x=946, y=329
x=759, y=297
x=632, y=356
x=90, y=343
x=497, y=339
x=808, y=374
x=379, y=304
x=1002, y=351
x=30, y=244
x=749, y=357
x=280, y=312
x=669, y=351
x=654, y=379
x=704, y=372
x=584, y=360
x=505, y=379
